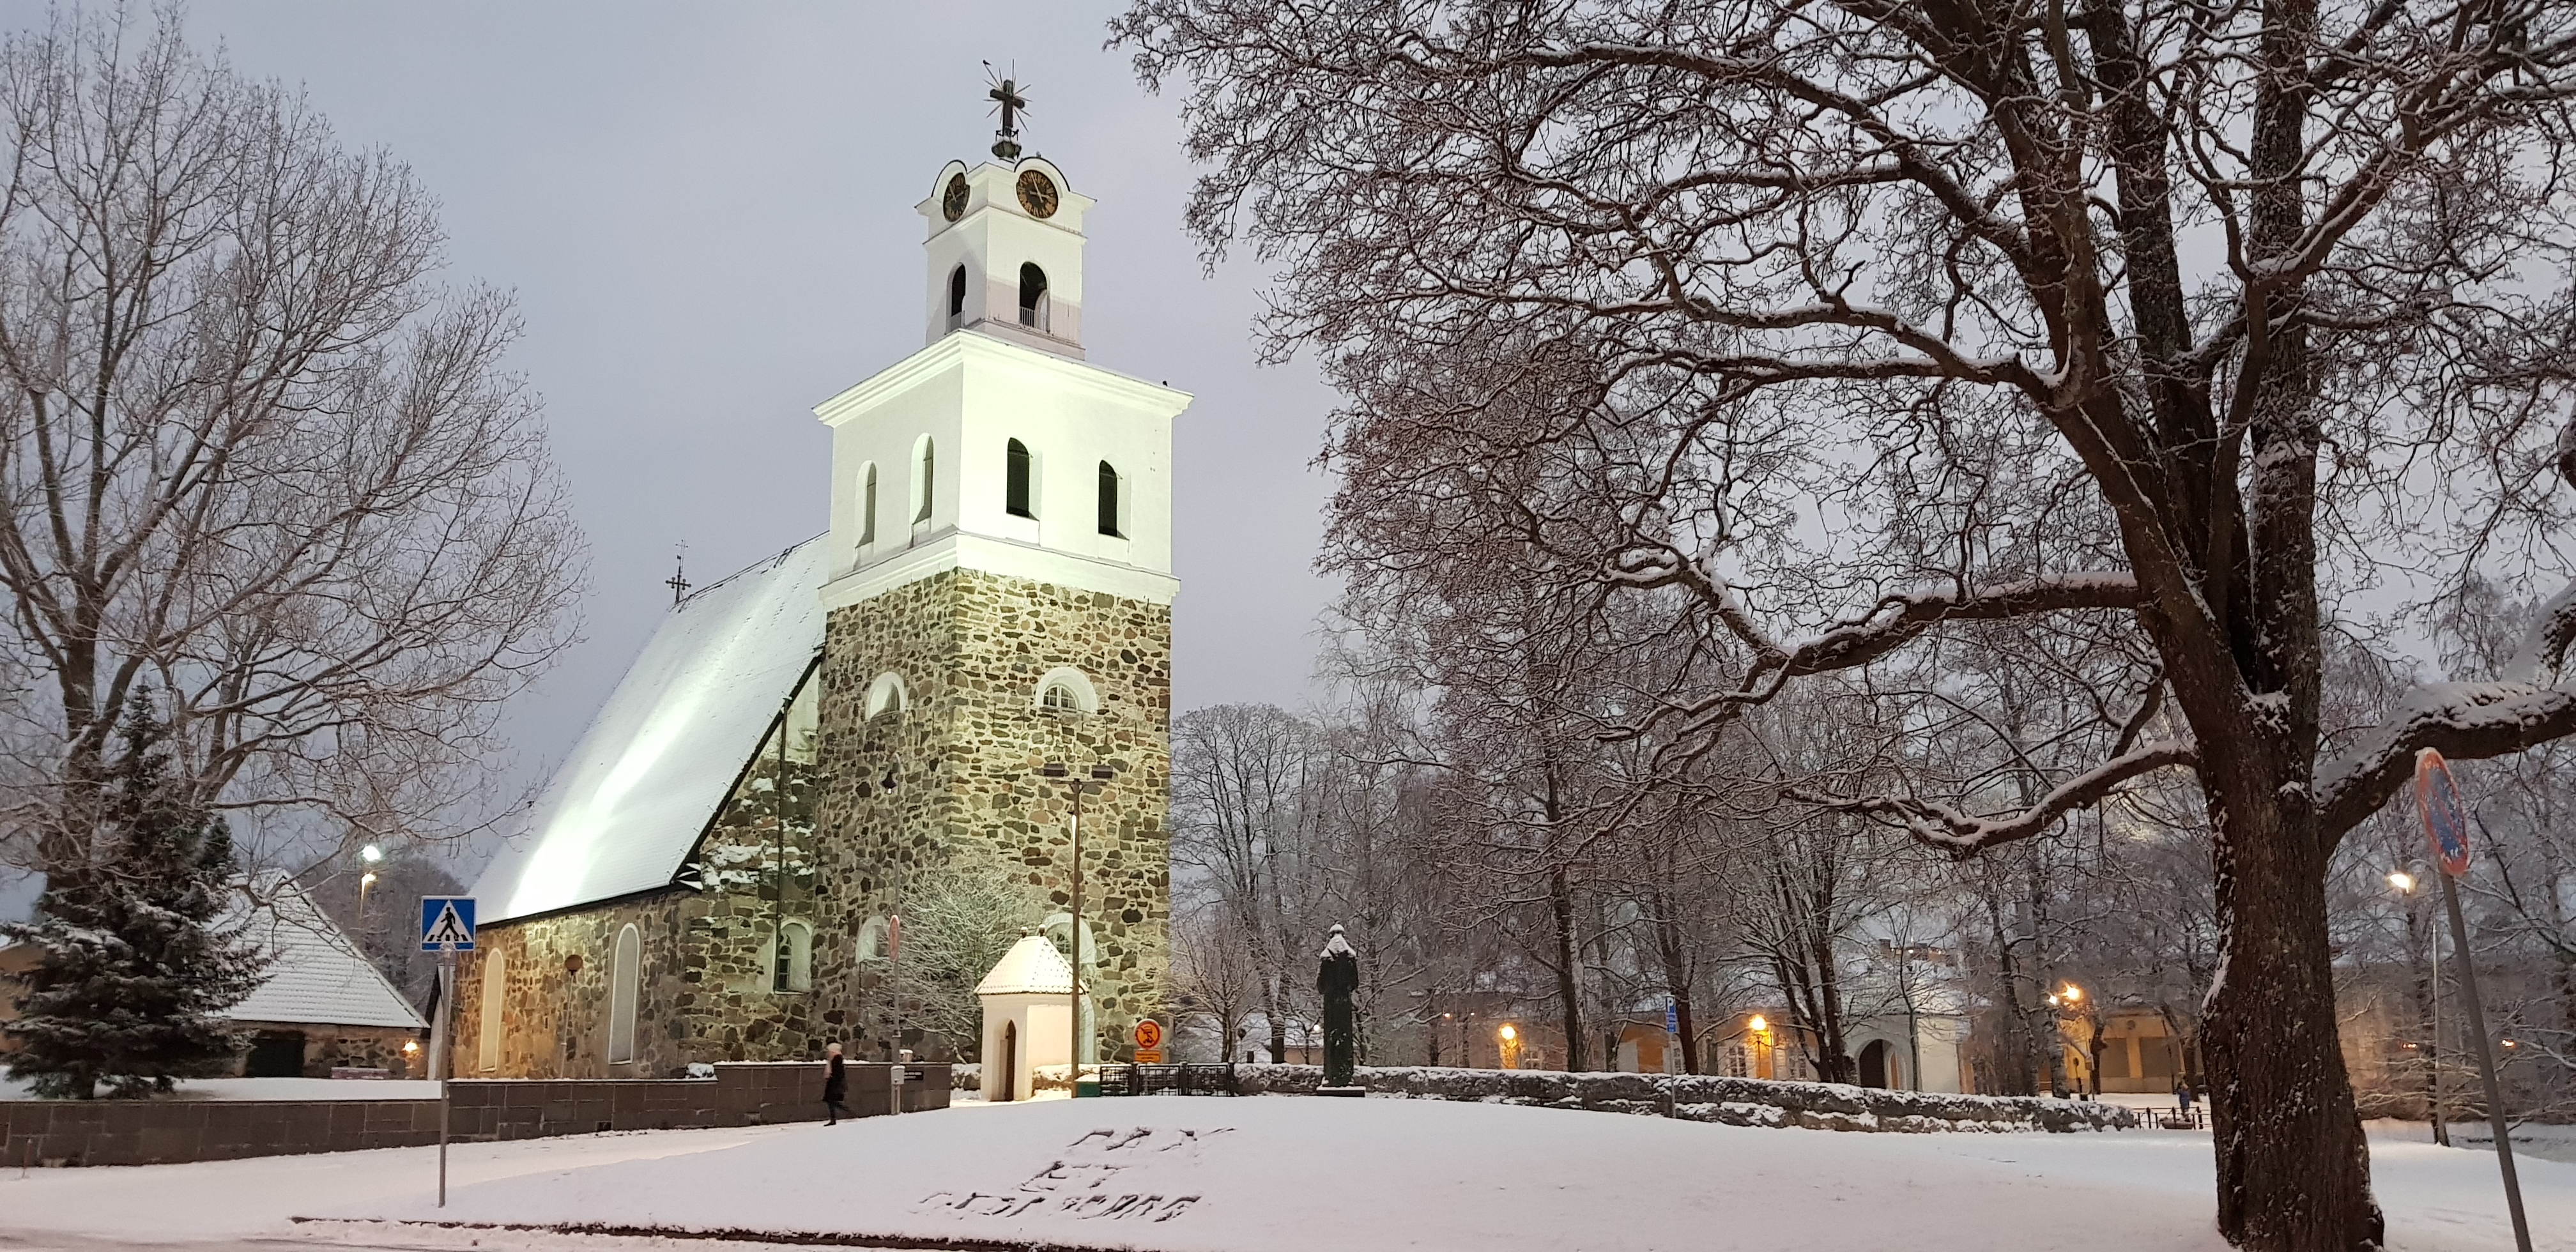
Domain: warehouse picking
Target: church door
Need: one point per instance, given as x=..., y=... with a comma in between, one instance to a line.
x=1873, y=1064
x=1006, y=1066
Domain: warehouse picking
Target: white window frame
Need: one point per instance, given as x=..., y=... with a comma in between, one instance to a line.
x=625, y=988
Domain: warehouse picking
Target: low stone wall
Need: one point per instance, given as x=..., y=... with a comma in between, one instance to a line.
x=1704, y=1098
x=148, y=1132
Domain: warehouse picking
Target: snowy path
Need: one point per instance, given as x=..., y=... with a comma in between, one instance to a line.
x=1258, y=1175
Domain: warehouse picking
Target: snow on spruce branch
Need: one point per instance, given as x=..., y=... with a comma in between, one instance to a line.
x=1945, y=827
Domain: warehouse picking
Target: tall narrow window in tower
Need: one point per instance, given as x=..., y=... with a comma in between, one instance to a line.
x=1015, y=480
x=867, y=504
x=956, y=297
x=1109, y=500
x=1033, y=296
x=625, y=974
x=924, y=471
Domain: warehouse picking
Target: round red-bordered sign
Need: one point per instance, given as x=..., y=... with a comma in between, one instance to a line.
x=1149, y=1034
x=2446, y=821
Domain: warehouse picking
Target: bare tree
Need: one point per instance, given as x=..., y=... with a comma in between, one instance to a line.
x=253, y=456
x=2144, y=312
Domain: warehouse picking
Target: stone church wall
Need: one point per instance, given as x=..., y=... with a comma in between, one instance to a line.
x=971, y=648
x=705, y=981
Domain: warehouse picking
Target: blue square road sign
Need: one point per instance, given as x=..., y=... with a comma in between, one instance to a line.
x=447, y=923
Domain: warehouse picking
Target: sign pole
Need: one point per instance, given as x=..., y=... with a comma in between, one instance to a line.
x=440, y=1062
x=2446, y=824
x=2486, y=1063
x=446, y=928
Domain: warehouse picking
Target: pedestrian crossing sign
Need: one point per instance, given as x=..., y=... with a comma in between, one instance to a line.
x=447, y=923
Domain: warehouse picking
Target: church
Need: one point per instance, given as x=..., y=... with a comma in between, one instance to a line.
x=720, y=869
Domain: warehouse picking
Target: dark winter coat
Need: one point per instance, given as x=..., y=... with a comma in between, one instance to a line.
x=836, y=1082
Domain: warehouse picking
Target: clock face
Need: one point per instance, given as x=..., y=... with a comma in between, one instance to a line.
x=1037, y=194
x=953, y=200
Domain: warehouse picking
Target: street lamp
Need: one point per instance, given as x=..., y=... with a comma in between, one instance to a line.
x=2405, y=884
x=1073, y=913
x=371, y=854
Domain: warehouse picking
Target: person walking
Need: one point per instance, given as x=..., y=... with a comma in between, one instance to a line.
x=2183, y=1096
x=836, y=1087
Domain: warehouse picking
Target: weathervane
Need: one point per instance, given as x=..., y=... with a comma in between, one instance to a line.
x=678, y=582
x=1007, y=98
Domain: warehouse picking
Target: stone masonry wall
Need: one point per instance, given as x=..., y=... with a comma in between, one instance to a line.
x=557, y=972
x=971, y=648
x=706, y=993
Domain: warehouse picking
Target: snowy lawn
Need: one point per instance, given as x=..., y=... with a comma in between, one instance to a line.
x=1280, y=1173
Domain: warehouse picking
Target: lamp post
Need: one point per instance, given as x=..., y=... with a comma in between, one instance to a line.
x=1073, y=912
x=371, y=854
x=2405, y=883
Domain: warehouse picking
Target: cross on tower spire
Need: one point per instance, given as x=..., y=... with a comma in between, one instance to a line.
x=1008, y=98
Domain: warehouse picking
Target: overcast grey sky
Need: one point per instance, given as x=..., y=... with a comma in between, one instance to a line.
x=706, y=213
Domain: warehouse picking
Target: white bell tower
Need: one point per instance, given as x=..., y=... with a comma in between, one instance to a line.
x=1005, y=254
x=998, y=447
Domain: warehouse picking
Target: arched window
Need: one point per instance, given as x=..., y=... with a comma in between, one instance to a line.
x=1015, y=480
x=625, y=985
x=956, y=296
x=1109, y=500
x=1034, y=303
x=1066, y=690
x=496, y=991
x=925, y=472
x=792, y=958
x=875, y=939
x=868, y=503
x=885, y=694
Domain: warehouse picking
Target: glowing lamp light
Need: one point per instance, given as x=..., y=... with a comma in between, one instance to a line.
x=367, y=879
x=1508, y=1033
x=411, y=1047
x=2402, y=880
x=371, y=854
x=1757, y=1025
x=2073, y=993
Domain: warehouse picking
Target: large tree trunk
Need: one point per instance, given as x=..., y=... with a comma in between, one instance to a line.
x=2293, y=1170
x=1569, y=986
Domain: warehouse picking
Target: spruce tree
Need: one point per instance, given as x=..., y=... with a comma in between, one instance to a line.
x=131, y=965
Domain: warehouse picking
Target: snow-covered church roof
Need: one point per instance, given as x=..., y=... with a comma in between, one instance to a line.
x=316, y=973
x=1031, y=967
x=630, y=802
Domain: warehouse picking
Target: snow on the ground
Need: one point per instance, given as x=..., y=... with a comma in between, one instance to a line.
x=215, y=1199
x=276, y=1089
x=1254, y=1175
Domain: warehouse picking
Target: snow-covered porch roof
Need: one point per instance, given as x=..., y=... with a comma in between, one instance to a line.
x=630, y=801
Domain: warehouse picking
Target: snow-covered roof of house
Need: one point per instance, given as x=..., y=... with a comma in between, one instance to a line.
x=630, y=802
x=315, y=973
x=1031, y=967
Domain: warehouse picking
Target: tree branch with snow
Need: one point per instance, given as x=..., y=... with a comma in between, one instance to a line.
x=1945, y=827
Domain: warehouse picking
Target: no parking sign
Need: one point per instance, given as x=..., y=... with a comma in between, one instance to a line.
x=2446, y=822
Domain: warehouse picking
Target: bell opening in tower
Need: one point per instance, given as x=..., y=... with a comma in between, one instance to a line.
x=1034, y=302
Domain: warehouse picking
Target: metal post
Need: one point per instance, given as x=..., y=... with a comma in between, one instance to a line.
x=439, y=1059
x=2486, y=1063
x=2433, y=1049
x=1073, y=1059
